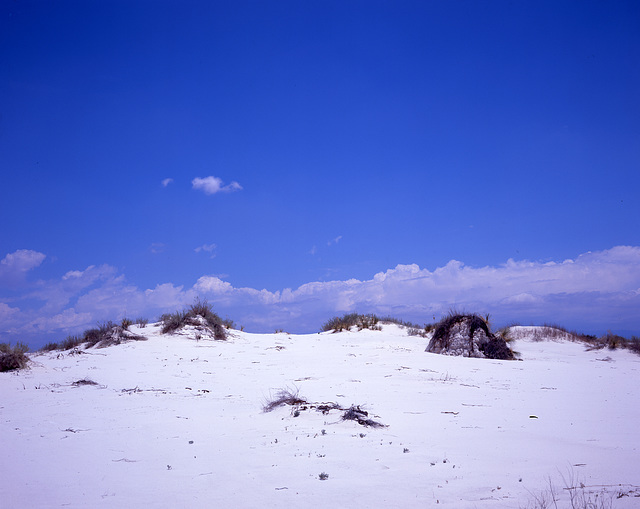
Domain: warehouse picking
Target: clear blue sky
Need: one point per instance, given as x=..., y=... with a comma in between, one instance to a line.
x=345, y=139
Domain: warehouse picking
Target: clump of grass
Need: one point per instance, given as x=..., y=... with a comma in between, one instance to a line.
x=194, y=315
x=286, y=396
x=125, y=323
x=13, y=357
x=49, y=347
x=142, y=322
x=84, y=381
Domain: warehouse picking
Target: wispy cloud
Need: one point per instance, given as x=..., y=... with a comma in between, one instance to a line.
x=592, y=292
x=334, y=241
x=207, y=248
x=213, y=185
x=157, y=247
x=166, y=182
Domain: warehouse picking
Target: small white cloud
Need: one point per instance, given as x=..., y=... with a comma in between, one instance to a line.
x=22, y=260
x=213, y=185
x=334, y=241
x=207, y=248
x=212, y=284
x=14, y=266
x=157, y=247
x=313, y=250
x=166, y=182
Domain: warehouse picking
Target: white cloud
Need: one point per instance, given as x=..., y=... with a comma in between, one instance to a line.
x=592, y=292
x=166, y=182
x=207, y=248
x=18, y=263
x=334, y=241
x=213, y=185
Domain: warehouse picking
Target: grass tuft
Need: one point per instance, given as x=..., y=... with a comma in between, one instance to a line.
x=194, y=315
x=286, y=396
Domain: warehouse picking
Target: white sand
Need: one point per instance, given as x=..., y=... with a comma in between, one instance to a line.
x=460, y=432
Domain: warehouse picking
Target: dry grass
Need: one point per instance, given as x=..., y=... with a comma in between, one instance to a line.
x=13, y=357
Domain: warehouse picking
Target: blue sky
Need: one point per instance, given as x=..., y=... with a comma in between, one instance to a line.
x=291, y=161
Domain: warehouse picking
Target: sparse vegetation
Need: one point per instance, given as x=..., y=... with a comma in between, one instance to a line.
x=13, y=357
x=340, y=323
x=580, y=495
x=608, y=340
x=50, y=347
x=292, y=398
x=142, y=322
x=105, y=334
x=372, y=322
x=200, y=314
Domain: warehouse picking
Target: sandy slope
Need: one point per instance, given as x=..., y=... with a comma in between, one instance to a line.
x=176, y=422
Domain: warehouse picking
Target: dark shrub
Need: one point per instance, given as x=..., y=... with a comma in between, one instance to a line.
x=13, y=357
x=142, y=322
x=468, y=335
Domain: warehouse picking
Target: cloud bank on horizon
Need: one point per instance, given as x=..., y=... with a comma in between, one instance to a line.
x=593, y=292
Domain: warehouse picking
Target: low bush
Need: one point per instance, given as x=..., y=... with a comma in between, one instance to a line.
x=142, y=322
x=49, y=347
x=13, y=357
x=125, y=323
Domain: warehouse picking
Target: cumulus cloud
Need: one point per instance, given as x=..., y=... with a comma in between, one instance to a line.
x=213, y=185
x=166, y=182
x=592, y=292
x=14, y=266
